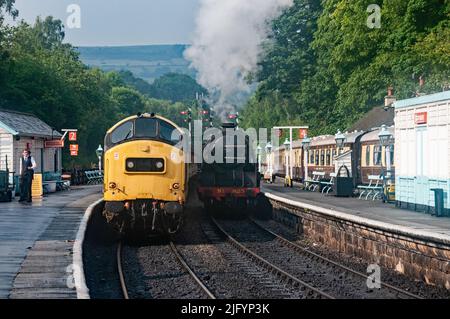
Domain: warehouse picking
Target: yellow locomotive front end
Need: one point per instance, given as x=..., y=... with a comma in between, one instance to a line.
x=146, y=177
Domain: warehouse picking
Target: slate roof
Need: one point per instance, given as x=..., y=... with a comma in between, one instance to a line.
x=24, y=124
x=374, y=118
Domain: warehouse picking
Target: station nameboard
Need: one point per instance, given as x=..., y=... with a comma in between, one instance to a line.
x=54, y=144
x=302, y=133
x=421, y=118
x=279, y=132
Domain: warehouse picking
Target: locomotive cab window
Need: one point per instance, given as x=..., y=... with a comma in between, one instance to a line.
x=146, y=127
x=122, y=133
x=168, y=132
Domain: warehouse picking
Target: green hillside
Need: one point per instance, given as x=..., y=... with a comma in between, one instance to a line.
x=147, y=62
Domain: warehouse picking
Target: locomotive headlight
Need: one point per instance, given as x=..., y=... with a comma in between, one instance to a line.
x=112, y=185
x=130, y=164
x=159, y=164
x=176, y=186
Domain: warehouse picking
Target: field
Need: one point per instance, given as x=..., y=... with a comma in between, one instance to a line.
x=146, y=62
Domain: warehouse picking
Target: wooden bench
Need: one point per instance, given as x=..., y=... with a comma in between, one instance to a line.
x=328, y=186
x=314, y=183
x=374, y=189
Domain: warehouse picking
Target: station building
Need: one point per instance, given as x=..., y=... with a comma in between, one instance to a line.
x=422, y=142
x=19, y=131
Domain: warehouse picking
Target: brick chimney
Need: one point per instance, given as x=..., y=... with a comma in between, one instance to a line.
x=390, y=98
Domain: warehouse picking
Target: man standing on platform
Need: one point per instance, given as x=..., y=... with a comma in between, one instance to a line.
x=27, y=166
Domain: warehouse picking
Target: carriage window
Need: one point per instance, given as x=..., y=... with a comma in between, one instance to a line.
x=377, y=155
x=328, y=163
x=168, y=132
x=146, y=127
x=368, y=155
x=392, y=151
x=122, y=133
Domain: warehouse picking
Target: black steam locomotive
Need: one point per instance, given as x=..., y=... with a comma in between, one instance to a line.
x=229, y=179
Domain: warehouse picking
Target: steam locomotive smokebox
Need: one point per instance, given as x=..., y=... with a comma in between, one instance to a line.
x=344, y=182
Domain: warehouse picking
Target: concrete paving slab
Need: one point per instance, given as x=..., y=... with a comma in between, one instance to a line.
x=21, y=225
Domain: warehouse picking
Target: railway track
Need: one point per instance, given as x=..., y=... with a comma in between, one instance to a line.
x=303, y=251
x=181, y=261
x=310, y=291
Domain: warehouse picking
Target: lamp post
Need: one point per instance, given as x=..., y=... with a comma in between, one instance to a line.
x=340, y=141
x=385, y=138
x=258, y=151
x=287, y=145
x=269, y=161
x=306, y=143
x=99, y=153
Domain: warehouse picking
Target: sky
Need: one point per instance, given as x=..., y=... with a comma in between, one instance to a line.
x=120, y=22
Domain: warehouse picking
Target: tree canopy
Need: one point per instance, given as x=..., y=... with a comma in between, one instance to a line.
x=324, y=67
x=41, y=74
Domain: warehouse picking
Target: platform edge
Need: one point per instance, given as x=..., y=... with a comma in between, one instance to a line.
x=78, y=269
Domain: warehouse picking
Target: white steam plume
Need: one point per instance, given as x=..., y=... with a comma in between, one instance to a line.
x=227, y=45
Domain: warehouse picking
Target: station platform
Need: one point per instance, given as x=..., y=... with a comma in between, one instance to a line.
x=36, y=242
x=376, y=211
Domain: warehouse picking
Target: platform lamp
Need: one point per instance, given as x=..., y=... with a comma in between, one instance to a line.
x=306, y=143
x=99, y=153
x=269, y=161
x=287, y=146
x=258, y=151
x=386, y=140
x=340, y=141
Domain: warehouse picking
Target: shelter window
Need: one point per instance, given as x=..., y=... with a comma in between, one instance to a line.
x=317, y=158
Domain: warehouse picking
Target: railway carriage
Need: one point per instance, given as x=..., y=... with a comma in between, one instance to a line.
x=373, y=155
x=146, y=177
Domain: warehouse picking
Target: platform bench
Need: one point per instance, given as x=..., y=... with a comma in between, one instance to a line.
x=327, y=187
x=94, y=177
x=374, y=189
x=314, y=183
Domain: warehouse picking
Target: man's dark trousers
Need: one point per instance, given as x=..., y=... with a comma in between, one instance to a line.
x=25, y=186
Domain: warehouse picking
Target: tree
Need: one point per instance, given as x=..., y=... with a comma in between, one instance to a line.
x=338, y=68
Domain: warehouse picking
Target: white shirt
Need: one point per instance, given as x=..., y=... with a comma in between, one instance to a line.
x=33, y=162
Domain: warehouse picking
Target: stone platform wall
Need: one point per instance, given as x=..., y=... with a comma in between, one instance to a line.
x=415, y=257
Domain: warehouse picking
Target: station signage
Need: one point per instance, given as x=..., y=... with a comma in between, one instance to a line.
x=73, y=153
x=279, y=132
x=302, y=133
x=74, y=147
x=421, y=118
x=54, y=144
x=72, y=136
